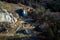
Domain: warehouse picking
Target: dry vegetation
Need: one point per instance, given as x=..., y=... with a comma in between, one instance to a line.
x=47, y=19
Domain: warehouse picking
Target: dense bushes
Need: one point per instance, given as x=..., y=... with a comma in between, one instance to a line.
x=47, y=22
x=54, y=6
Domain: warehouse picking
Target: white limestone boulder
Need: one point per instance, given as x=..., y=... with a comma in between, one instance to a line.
x=7, y=17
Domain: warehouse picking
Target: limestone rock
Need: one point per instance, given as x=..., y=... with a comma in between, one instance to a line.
x=7, y=17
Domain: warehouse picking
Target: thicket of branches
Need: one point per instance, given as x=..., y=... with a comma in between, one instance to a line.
x=53, y=24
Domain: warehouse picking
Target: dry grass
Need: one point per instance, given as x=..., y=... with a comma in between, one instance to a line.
x=9, y=6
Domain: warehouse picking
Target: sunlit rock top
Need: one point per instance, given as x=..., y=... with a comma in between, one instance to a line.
x=5, y=16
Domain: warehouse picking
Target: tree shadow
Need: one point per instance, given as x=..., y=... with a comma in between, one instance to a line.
x=11, y=1
x=20, y=12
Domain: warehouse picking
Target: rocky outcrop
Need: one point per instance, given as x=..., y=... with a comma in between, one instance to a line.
x=7, y=17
